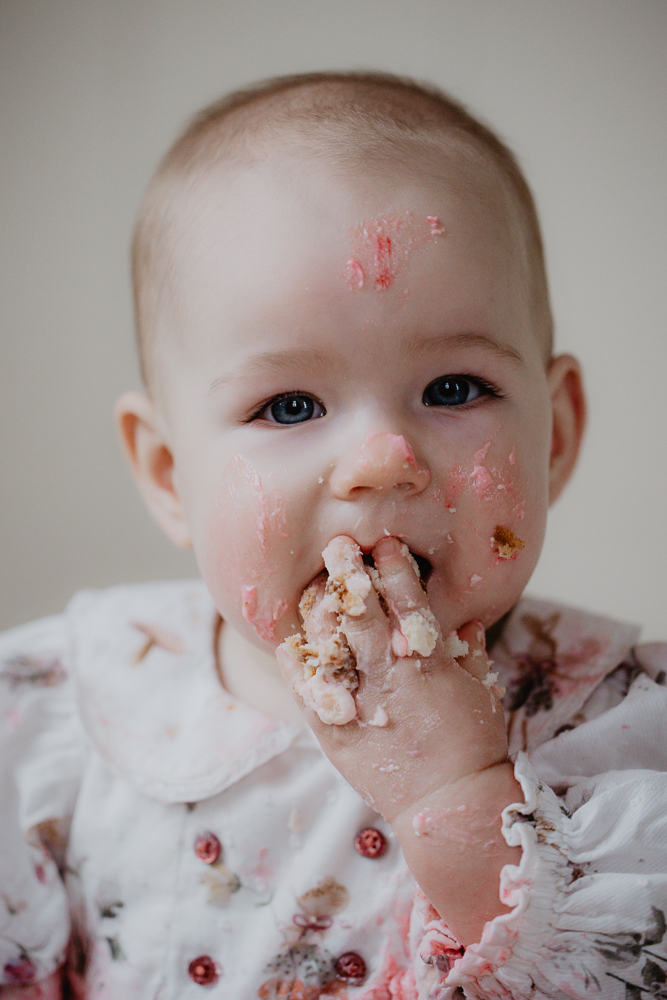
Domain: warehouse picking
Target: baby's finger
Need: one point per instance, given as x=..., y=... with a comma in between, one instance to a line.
x=333, y=704
x=351, y=595
x=475, y=661
x=399, y=575
x=319, y=623
x=416, y=629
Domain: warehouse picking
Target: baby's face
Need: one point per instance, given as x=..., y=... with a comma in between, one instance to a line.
x=357, y=358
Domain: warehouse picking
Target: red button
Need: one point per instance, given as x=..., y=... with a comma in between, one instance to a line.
x=371, y=843
x=208, y=848
x=351, y=967
x=203, y=971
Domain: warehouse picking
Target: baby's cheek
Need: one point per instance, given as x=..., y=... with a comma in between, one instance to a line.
x=497, y=519
x=245, y=551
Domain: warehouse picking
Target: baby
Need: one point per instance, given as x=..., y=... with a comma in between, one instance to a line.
x=354, y=417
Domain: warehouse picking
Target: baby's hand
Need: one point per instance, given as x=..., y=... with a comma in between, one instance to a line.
x=400, y=710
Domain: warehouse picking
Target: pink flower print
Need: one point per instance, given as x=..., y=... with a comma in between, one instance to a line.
x=21, y=970
x=40, y=671
x=318, y=907
x=311, y=922
x=304, y=972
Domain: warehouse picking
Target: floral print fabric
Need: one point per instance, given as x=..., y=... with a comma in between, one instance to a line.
x=160, y=839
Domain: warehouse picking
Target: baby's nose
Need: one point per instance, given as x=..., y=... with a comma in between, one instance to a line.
x=383, y=462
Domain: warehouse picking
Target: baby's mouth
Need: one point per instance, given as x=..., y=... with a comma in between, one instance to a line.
x=424, y=565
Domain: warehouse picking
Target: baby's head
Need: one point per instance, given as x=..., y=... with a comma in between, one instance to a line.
x=344, y=328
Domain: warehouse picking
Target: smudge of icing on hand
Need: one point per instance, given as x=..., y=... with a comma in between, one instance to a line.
x=455, y=647
x=382, y=246
x=505, y=543
x=348, y=584
x=380, y=718
x=333, y=703
x=330, y=698
x=427, y=821
x=399, y=644
x=420, y=631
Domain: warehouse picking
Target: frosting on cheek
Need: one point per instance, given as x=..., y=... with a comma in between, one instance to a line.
x=262, y=618
x=246, y=530
x=250, y=520
x=486, y=504
x=496, y=484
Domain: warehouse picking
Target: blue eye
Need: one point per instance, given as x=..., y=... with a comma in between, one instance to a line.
x=455, y=390
x=294, y=408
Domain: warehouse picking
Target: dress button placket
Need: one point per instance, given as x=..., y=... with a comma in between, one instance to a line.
x=203, y=970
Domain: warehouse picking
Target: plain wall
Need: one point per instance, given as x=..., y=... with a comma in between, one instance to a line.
x=91, y=94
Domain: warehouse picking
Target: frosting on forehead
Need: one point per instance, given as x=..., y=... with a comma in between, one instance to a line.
x=382, y=246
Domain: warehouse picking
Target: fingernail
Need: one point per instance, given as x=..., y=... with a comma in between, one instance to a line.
x=480, y=632
x=387, y=547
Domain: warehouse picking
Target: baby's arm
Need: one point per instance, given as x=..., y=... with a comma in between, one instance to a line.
x=438, y=769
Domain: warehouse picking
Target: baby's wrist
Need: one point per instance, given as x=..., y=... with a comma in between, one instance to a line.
x=461, y=807
x=453, y=843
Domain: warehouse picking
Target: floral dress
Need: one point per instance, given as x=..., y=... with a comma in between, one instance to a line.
x=160, y=839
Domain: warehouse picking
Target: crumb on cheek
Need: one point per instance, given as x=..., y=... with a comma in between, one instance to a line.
x=505, y=543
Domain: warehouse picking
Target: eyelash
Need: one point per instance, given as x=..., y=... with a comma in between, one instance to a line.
x=257, y=413
x=487, y=388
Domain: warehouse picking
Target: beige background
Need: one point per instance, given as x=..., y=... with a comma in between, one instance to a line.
x=92, y=92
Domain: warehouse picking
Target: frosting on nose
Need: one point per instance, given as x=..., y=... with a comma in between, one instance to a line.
x=384, y=461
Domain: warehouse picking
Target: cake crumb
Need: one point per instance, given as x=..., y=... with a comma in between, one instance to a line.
x=455, y=647
x=505, y=543
x=420, y=631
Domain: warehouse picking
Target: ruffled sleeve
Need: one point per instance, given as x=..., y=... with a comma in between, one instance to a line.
x=587, y=904
x=40, y=767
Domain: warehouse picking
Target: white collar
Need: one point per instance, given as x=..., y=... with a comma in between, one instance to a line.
x=154, y=708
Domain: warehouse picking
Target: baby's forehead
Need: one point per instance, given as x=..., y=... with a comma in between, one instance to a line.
x=386, y=138
x=357, y=189
x=291, y=203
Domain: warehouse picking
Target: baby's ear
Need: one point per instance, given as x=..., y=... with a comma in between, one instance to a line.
x=152, y=463
x=568, y=407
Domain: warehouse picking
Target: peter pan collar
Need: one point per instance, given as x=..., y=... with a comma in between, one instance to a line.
x=153, y=706
x=150, y=698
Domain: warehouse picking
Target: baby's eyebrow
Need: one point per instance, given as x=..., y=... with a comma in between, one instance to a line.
x=290, y=362
x=436, y=345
